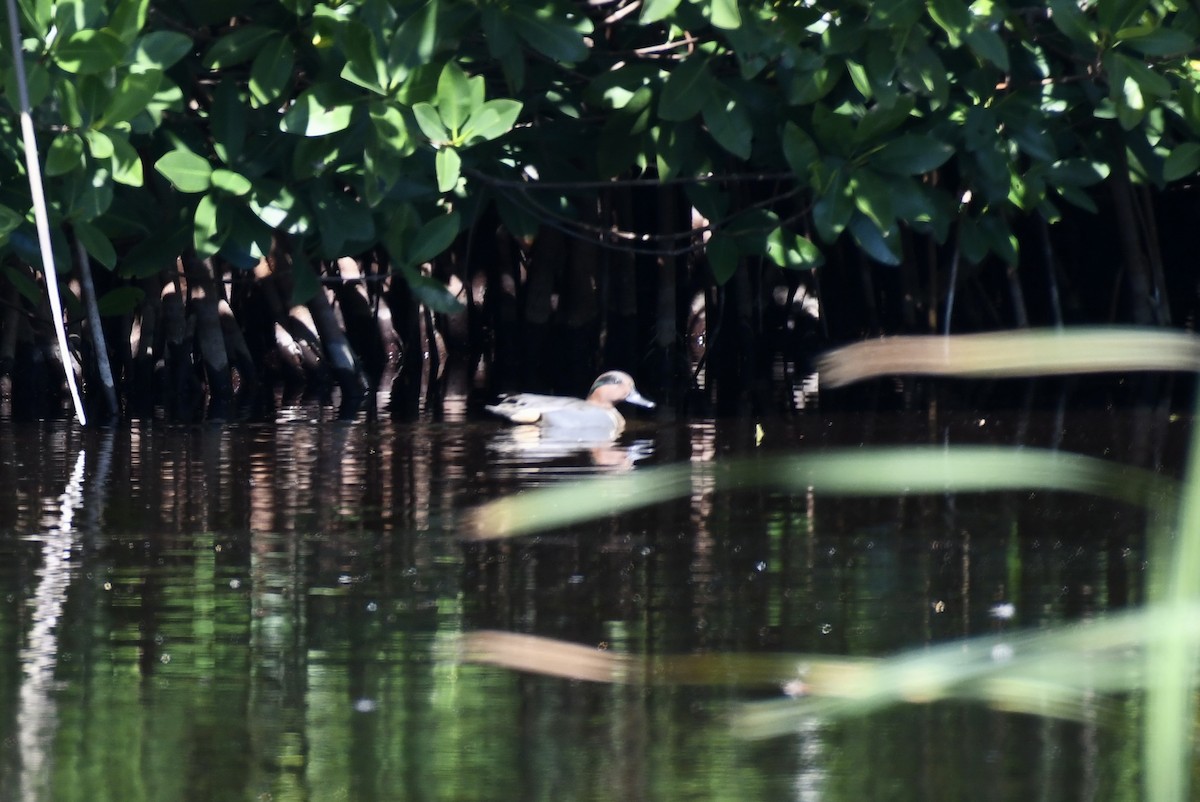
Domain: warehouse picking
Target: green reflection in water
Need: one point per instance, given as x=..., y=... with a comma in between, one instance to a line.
x=272, y=613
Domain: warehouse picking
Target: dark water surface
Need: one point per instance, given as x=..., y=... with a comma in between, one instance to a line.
x=273, y=613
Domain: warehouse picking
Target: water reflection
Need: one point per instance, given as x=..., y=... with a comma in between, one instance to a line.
x=277, y=612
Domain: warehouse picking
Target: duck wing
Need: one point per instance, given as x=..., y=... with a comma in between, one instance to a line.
x=529, y=407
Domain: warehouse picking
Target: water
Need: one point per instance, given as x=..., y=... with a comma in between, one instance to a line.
x=274, y=612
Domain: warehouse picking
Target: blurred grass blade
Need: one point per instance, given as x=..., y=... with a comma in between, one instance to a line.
x=1171, y=702
x=1015, y=353
x=1055, y=672
x=572, y=502
x=880, y=471
x=545, y=656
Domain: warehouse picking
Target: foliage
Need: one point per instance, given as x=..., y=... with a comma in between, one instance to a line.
x=352, y=124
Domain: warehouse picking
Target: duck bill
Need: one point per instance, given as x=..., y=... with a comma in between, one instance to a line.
x=640, y=400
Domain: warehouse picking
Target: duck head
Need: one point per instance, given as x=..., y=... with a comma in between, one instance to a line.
x=615, y=386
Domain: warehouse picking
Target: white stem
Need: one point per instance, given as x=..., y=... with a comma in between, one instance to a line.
x=41, y=219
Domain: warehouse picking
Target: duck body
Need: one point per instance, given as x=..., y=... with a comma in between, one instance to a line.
x=595, y=413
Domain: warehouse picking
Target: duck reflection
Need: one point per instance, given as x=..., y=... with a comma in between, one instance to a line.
x=538, y=444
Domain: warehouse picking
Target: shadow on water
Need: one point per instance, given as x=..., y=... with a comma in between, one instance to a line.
x=252, y=612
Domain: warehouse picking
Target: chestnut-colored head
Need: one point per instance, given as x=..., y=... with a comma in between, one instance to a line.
x=616, y=386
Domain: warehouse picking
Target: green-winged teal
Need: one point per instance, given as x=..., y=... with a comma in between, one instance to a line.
x=596, y=412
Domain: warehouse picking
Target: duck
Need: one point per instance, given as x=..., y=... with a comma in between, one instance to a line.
x=596, y=413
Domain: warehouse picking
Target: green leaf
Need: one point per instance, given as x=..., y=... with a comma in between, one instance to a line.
x=271, y=71
x=910, y=154
x=1078, y=172
x=432, y=238
x=120, y=300
x=882, y=246
x=454, y=100
x=29, y=289
x=725, y=14
x=65, y=154
x=231, y=182
x=310, y=116
x=276, y=206
x=833, y=208
x=131, y=97
x=126, y=164
x=100, y=146
x=952, y=16
x=492, y=120
x=161, y=49
x=187, y=171
x=873, y=197
x=391, y=130
x=10, y=221
x=657, y=10
x=430, y=292
x=728, y=123
x=722, y=252
x=449, y=168
x=206, y=236
x=37, y=79
x=1158, y=41
x=227, y=122
x=1114, y=15
x=95, y=243
x=790, y=250
x=237, y=46
x=363, y=64
x=89, y=51
x=128, y=19
x=799, y=149
x=88, y=194
x=1068, y=18
x=881, y=119
x=1151, y=82
x=1182, y=162
x=554, y=39
x=685, y=90
x=415, y=40
x=430, y=123
x=988, y=46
